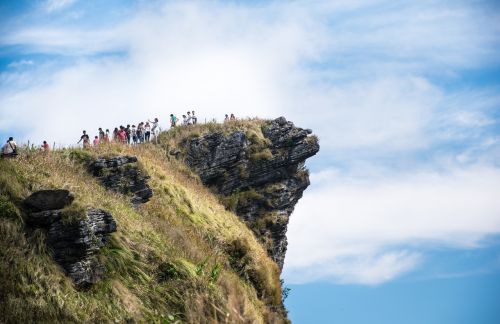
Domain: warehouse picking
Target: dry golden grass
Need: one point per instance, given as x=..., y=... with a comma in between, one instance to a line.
x=183, y=227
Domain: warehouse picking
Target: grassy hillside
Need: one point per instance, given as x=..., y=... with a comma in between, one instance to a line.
x=179, y=258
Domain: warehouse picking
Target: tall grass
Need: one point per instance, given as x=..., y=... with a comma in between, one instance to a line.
x=170, y=260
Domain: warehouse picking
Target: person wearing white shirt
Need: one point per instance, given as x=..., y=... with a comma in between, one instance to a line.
x=10, y=148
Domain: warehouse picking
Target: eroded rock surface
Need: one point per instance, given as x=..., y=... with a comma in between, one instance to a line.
x=75, y=244
x=74, y=239
x=122, y=174
x=261, y=178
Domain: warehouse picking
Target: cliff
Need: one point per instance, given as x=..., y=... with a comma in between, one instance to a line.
x=191, y=229
x=259, y=172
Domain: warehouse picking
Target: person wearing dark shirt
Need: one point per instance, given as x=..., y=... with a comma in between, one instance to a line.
x=86, y=140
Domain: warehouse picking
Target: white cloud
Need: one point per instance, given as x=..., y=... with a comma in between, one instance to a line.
x=56, y=5
x=359, y=268
x=352, y=230
x=21, y=63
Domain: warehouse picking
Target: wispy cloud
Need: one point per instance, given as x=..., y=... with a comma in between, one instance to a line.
x=359, y=224
x=21, y=63
x=56, y=5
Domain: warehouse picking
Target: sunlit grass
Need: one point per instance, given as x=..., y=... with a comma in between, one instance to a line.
x=170, y=258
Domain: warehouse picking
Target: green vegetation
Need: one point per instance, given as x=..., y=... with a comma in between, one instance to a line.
x=182, y=257
x=176, y=138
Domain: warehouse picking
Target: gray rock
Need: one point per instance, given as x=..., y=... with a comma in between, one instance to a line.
x=43, y=218
x=268, y=188
x=74, y=245
x=49, y=200
x=122, y=175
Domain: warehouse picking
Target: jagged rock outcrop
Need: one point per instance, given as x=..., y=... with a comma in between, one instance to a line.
x=121, y=174
x=75, y=244
x=74, y=235
x=260, y=175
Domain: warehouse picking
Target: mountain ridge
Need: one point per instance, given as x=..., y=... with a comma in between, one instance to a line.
x=178, y=256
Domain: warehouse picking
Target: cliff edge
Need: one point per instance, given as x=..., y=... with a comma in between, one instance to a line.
x=259, y=172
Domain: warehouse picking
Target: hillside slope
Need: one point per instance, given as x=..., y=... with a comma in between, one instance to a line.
x=177, y=255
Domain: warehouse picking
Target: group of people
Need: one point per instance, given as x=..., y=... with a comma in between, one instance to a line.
x=189, y=119
x=125, y=135
x=9, y=149
x=227, y=118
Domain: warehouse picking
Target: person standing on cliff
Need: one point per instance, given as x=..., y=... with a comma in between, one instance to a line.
x=86, y=140
x=127, y=131
x=122, y=135
x=194, y=119
x=173, y=120
x=140, y=132
x=232, y=117
x=155, y=126
x=106, y=136
x=133, y=132
x=101, y=134
x=226, y=119
x=147, y=132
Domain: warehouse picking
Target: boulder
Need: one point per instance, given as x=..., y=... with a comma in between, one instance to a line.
x=49, y=200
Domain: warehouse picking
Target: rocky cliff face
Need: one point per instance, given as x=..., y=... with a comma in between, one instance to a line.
x=121, y=174
x=260, y=175
x=74, y=235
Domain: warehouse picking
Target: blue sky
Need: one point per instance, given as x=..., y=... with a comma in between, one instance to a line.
x=402, y=217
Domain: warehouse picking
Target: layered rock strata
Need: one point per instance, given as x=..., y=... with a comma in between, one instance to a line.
x=122, y=174
x=74, y=236
x=260, y=176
